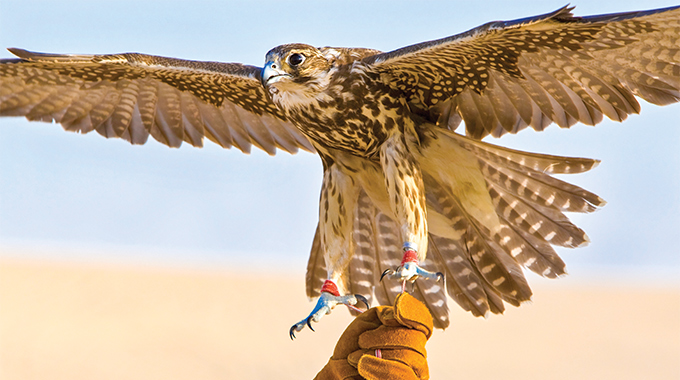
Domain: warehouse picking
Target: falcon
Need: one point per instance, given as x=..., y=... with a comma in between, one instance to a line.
x=407, y=203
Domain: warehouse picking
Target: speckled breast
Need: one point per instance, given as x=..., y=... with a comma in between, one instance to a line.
x=358, y=120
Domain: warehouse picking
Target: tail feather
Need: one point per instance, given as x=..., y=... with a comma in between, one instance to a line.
x=530, y=251
x=537, y=221
x=541, y=188
x=491, y=211
x=387, y=257
x=316, y=268
x=519, y=160
x=494, y=265
x=494, y=297
x=496, y=305
x=529, y=205
x=378, y=246
x=363, y=263
x=462, y=282
x=433, y=294
x=497, y=268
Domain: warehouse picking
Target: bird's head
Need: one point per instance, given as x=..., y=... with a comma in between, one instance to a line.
x=295, y=63
x=296, y=71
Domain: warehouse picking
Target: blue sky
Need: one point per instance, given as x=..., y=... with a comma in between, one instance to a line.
x=105, y=199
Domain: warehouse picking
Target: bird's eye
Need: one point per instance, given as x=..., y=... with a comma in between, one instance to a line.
x=296, y=59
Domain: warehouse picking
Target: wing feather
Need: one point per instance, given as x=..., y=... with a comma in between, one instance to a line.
x=506, y=111
x=102, y=111
x=563, y=111
x=123, y=111
x=258, y=132
x=22, y=102
x=194, y=130
x=523, y=105
x=553, y=68
x=168, y=127
x=133, y=95
x=146, y=104
x=217, y=128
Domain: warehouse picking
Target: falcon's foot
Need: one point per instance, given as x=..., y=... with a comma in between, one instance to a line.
x=330, y=297
x=409, y=271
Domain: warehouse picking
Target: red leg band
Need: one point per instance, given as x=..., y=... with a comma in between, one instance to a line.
x=410, y=256
x=330, y=287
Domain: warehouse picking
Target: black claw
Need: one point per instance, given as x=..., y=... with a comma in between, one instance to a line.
x=440, y=276
x=385, y=273
x=292, y=332
x=362, y=299
x=309, y=323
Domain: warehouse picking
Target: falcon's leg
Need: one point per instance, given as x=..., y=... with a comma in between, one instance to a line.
x=329, y=298
x=339, y=194
x=404, y=182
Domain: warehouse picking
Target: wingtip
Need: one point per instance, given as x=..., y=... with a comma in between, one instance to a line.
x=18, y=52
x=25, y=54
x=35, y=56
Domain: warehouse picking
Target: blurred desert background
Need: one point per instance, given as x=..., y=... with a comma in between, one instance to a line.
x=76, y=320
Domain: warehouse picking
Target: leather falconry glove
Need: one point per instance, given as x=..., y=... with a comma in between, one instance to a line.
x=385, y=342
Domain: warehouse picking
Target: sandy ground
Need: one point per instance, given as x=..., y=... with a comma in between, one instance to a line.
x=77, y=321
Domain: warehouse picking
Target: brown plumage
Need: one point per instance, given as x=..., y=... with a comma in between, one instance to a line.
x=395, y=173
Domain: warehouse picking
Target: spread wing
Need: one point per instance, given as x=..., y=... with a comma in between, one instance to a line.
x=132, y=96
x=504, y=76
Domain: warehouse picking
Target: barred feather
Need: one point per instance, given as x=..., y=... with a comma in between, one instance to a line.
x=362, y=267
x=540, y=189
x=551, y=68
x=493, y=263
x=316, y=268
x=132, y=96
x=388, y=256
x=462, y=283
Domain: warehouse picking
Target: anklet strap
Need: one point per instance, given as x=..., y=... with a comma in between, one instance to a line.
x=410, y=256
x=410, y=246
x=330, y=287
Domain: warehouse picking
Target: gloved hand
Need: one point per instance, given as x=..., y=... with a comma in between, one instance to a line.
x=385, y=342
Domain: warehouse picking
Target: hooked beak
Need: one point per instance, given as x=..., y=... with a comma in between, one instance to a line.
x=272, y=73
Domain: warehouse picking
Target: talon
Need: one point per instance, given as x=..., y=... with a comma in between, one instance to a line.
x=440, y=276
x=362, y=299
x=386, y=272
x=309, y=323
x=296, y=327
